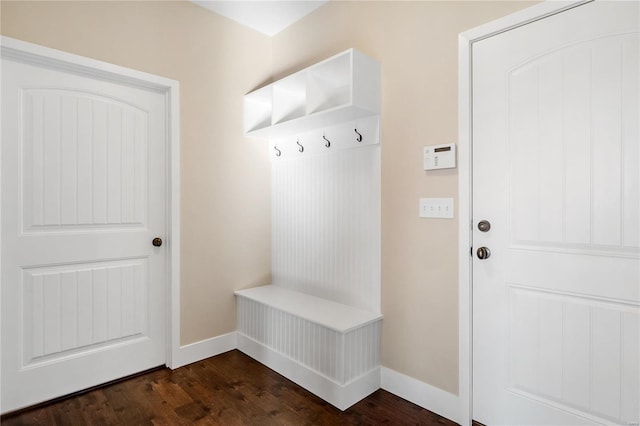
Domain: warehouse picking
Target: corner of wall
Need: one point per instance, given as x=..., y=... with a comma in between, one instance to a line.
x=194, y=352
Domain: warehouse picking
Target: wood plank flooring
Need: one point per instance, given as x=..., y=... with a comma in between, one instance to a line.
x=229, y=389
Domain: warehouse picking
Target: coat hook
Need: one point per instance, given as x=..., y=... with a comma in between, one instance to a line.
x=359, y=138
x=278, y=152
x=328, y=144
x=301, y=149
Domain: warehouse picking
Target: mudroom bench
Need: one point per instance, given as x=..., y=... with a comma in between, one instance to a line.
x=329, y=348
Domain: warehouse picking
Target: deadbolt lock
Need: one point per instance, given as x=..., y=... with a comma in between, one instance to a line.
x=484, y=225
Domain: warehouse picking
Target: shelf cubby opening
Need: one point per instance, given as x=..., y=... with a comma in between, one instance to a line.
x=289, y=98
x=329, y=84
x=258, y=108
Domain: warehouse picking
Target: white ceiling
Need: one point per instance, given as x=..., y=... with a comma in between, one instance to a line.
x=268, y=17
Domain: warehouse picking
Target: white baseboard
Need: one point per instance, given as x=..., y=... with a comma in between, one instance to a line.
x=198, y=351
x=426, y=396
x=340, y=396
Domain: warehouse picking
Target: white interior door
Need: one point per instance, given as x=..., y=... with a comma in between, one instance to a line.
x=83, y=189
x=555, y=171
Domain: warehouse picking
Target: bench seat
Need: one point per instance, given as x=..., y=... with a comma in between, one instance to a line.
x=329, y=348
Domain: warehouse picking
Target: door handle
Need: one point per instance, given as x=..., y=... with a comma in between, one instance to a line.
x=483, y=253
x=157, y=242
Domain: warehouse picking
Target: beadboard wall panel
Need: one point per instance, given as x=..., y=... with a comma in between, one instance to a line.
x=326, y=226
x=341, y=357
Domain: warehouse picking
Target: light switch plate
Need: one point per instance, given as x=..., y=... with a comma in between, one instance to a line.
x=436, y=207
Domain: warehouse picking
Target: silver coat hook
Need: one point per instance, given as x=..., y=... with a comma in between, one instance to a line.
x=359, y=138
x=301, y=149
x=328, y=144
x=278, y=152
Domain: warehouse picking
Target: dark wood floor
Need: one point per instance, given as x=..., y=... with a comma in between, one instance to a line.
x=229, y=389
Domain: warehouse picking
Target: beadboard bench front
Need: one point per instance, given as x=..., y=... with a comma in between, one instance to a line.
x=329, y=348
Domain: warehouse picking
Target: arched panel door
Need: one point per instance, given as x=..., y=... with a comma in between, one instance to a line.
x=556, y=154
x=83, y=195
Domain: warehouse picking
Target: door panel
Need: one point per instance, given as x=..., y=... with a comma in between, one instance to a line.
x=84, y=161
x=71, y=307
x=83, y=195
x=571, y=351
x=572, y=167
x=556, y=307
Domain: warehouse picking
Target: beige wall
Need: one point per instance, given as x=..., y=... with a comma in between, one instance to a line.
x=225, y=178
x=416, y=42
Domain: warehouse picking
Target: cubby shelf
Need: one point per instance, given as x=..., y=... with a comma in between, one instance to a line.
x=342, y=88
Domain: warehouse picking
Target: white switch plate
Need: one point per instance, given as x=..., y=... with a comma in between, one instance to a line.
x=436, y=207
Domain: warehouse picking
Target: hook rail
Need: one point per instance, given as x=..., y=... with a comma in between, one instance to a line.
x=326, y=140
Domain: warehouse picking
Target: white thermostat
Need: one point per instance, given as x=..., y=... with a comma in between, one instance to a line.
x=440, y=156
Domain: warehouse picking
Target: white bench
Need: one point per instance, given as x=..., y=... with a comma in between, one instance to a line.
x=331, y=349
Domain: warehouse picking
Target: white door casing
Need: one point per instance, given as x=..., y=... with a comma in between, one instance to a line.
x=555, y=170
x=88, y=179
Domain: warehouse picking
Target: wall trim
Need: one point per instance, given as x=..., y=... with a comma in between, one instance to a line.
x=413, y=390
x=55, y=59
x=203, y=349
x=426, y=396
x=465, y=183
x=341, y=396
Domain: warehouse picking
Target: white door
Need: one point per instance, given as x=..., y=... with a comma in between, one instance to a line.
x=555, y=172
x=83, y=189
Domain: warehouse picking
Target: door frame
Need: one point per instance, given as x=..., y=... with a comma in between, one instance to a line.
x=466, y=41
x=34, y=54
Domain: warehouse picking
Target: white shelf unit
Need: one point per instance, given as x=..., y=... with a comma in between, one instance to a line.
x=342, y=88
